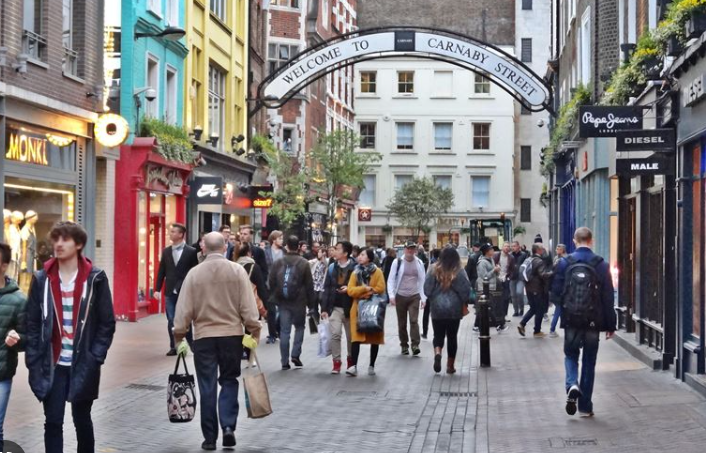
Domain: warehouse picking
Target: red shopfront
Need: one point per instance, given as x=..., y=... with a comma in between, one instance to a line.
x=151, y=193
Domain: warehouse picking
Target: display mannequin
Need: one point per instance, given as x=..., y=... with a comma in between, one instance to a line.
x=14, y=240
x=29, y=250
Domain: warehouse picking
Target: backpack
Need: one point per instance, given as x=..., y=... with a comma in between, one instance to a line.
x=582, y=295
x=526, y=269
x=289, y=290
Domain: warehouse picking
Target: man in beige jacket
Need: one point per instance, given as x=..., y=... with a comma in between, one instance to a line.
x=218, y=298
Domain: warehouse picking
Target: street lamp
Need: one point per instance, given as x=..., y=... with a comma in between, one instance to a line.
x=169, y=33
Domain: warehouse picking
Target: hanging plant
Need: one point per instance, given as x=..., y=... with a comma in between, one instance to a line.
x=565, y=126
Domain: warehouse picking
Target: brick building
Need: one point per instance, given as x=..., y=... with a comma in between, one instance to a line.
x=51, y=85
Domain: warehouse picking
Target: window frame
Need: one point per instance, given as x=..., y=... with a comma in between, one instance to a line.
x=365, y=190
x=171, y=15
x=483, y=82
x=279, y=62
x=525, y=210
x=152, y=107
x=450, y=178
x=527, y=5
x=523, y=57
x=217, y=77
x=474, y=204
x=402, y=175
x=409, y=85
x=293, y=4
x=365, y=138
x=369, y=83
x=397, y=136
x=435, y=124
x=219, y=9
x=171, y=92
x=481, y=137
x=525, y=157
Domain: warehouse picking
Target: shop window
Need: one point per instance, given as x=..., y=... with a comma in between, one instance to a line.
x=367, y=195
x=481, y=84
x=405, y=82
x=443, y=133
x=405, y=135
x=480, y=191
x=34, y=42
x=481, y=136
x=40, y=147
x=699, y=166
x=525, y=158
x=368, y=82
x=367, y=135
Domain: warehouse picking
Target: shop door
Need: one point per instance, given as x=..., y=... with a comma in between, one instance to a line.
x=157, y=235
x=626, y=288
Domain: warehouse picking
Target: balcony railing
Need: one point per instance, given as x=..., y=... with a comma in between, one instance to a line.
x=70, y=63
x=34, y=45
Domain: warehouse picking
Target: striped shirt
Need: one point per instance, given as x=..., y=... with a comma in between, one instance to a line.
x=67, y=329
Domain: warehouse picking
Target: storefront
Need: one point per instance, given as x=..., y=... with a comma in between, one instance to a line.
x=151, y=194
x=48, y=173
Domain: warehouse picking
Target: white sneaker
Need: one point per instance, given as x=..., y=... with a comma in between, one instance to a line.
x=371, y=371
x=352, y=371
x=553, y=335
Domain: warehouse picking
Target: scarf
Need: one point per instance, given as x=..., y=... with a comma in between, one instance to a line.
x=363, y=273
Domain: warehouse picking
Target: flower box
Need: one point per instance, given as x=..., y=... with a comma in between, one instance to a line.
x=674, y=47
x=696, y=25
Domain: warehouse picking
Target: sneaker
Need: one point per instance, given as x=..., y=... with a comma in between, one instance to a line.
x=286, y=367
x=571, y=397
x=298, y=365
x=546, y=317
x=416, y=351
x=405, y=351
x=352, y=371
x=539, y=335
x=424, y=336
x=371, y=371
x=209, y=446
x=271, y=340
x=171, y=352
x=228, y=438
x=503, y=328
x=553, y=335
x=336, y=367
x=521, y=330
x=437, y=363
x=586, y=414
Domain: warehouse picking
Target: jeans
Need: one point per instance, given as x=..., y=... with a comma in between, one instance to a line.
x=338, y=323
x=574, y=341
x=217, y=361
x=5, y=387
x=170, y=302
x=272, y=321
x=288, y=317
x=555, y=318
x=517, y=294
x=538, y=306
x=403, y=306
x=446, y=329
x=54, y=406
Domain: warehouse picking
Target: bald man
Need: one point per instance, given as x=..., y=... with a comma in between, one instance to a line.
x=218, y=299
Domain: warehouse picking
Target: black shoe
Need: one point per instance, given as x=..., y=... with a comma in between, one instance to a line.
x=228, y=438
x=571, y=397
x=405, y=350
x=424, y=336
x=171, y=352
x=416, y=351
x=286, y=367
x=298, y=365
x=437, y=363
x=206, y=445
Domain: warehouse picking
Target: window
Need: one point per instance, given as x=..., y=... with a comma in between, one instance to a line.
x=443, y=181
x=405, y=135
x=368, y=82
x=524, y=110
x=170, y=113
x=525, y=210
x=480, y=191
x=279, y=54
x=443, y=83
x=155, y=6
x=173, y=12
x=525, y=158
x=367, y=195
x=585, y=48
x=219, y=8
x=443, y=133
x=481, y=85
x=402, y=180
x=288, y=140
x=405, y=82
x=152, y=107
x=287, y=3
x=481, y=136
x=527, y=4
x=216, y=101
x=526, y=56
x=367, y=135
x=70, y=61
x=33, y=43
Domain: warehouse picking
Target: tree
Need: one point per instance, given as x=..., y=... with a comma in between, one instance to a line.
x=335, y=163
x=420, y=202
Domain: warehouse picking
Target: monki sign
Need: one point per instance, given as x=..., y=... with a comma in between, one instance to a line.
x=27, y=149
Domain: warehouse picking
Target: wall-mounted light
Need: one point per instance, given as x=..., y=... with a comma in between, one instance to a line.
x=196, y=133
x=213, y=140
x=240, y=152
x=235, y=140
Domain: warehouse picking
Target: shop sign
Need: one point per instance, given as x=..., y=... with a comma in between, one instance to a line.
x=600, y=121
x=262, y=202
x=163, y=178
x=26, y=148
x=694, y=92
x=207, y=190
x=365, y=214
x=646, y=140
x=111, y=130
x=655, y=165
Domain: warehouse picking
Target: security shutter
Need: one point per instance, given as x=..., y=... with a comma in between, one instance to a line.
x=527, y=50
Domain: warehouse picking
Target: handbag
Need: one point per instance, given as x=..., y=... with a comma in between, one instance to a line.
x=371, y=314
x=257, y=394
x=181, y=398
x=260, y=306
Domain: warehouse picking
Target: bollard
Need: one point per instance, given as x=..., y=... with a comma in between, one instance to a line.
x=484, y=324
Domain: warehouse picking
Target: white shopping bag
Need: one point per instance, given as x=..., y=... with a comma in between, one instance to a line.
x=324, y=339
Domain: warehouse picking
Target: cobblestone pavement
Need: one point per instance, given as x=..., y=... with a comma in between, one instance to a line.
x=518, y=405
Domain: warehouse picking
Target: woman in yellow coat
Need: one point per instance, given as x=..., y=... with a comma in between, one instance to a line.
x=366, y=280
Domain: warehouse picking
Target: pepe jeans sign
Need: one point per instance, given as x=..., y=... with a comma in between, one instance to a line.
x=655, y=165
x=662, y=140
x=597, y=121
x=502, y=68
x=207, y=190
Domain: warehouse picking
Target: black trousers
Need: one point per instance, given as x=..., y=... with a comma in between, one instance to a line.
x=425, y=318
x=446, y=329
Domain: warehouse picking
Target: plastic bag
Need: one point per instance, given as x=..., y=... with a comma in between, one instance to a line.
x=324, y=339
x=371, y=315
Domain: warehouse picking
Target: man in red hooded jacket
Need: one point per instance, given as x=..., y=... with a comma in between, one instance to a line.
x=70, y=326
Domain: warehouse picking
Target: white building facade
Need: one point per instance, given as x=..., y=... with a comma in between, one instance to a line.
x=532, y=129
x=432, y=119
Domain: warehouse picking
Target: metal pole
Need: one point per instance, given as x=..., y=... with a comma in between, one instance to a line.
x=484, y=328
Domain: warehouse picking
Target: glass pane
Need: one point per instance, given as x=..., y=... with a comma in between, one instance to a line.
x=284, y=52
x=142, y=294
x=442, y=135
x=443, y=181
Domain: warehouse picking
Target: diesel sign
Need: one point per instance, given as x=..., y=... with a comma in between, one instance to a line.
x=662, y=140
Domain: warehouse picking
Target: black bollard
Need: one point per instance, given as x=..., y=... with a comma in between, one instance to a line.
x=484, y=325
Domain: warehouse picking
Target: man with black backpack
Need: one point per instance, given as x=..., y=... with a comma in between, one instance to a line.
x=292, y=290
x=584, y=288
x=536, y=275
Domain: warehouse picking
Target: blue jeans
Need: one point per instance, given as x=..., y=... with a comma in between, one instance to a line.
x=288, y=317
x=5, y=387
x=538, y=306
x=54, y=406
x=574, y=341
x=217, y=361
x=555, y=318
x=170, y=302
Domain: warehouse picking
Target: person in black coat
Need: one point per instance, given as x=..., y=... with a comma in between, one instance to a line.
x=390, y=257
x=246, y=236
x=177, y=260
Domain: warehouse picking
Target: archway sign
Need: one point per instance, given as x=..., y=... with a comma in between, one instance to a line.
x=494, y=63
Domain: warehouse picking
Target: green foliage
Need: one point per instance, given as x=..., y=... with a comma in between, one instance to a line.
x=262, y=145
x=519, y=230
x=565, y=125
x=174, y=143
x=418, y=203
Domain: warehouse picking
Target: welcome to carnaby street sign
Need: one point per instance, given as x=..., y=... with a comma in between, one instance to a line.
x=501, y=67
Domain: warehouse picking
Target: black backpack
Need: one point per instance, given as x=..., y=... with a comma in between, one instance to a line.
x=289, y=290
x=582, y=294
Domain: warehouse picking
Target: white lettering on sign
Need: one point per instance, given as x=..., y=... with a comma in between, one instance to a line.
x=647, y=166
x=208, y=190
x=693, y=92
x=609, y=121
x=643, y=140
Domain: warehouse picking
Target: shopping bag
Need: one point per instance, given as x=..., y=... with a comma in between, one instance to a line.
x=314, y=322
x=371, y=314
x=181, y=398
x=324, y=339
x=257, y=395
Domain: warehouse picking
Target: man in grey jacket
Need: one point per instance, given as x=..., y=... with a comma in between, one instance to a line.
x=488, y=269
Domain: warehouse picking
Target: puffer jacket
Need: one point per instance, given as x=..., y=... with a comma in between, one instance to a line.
x=486, y=268
x=12, y=317
x=448, y=303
